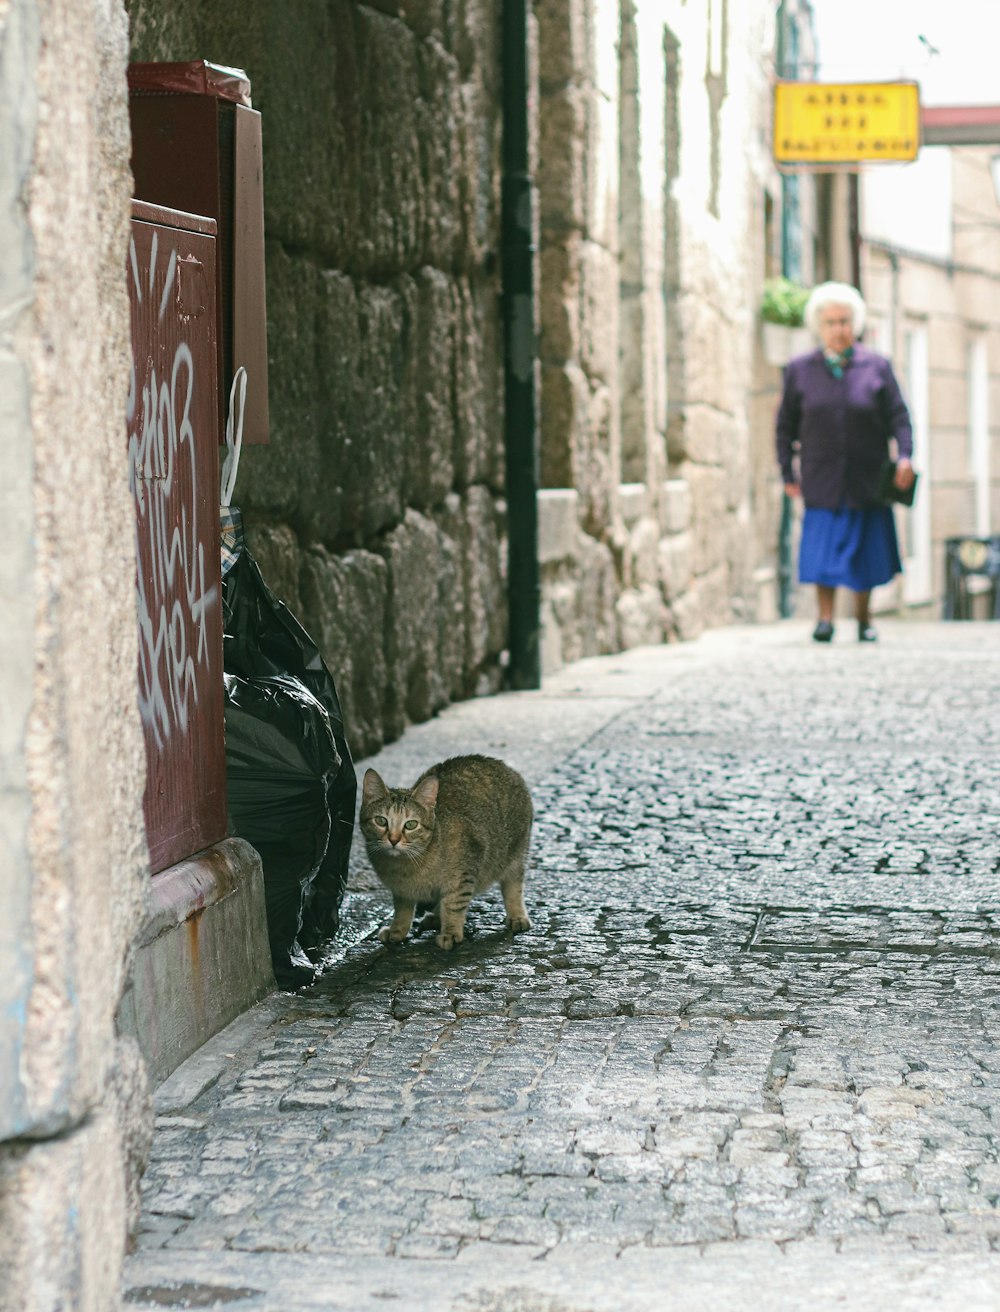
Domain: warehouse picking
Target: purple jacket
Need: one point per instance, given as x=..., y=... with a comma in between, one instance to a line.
x=840, y=427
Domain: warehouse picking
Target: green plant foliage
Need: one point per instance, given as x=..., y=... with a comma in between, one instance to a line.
x=784, y=301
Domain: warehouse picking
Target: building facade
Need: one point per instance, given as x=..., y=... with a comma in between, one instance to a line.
x=930, y=261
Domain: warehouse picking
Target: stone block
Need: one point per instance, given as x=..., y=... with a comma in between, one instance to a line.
x=429, y=361
x=712, y=591
x=438, y=115
x=453, y=619
x=674, y=558
x=675, y=506
x=562, y=158
x=476, y=164
x=707, y=435
x=422, y=565
x=633, y=503
x=710, y=350
x=641, y=559
x=551, y=635
x=640, y=617
x=289, y=475
x=685, y=619
x=598, y=464
x=557, y=525
x=338, y=380
x=485, y=596
x=563, y=43
x=363, y=405
x=599, y=312
x=565, y=402
x=598, y=592
x=62, y=1208
x=477, y=386
x=275, y=548
x=559, y=298
x=708, y=505
x=344, y=599
x=601, y=223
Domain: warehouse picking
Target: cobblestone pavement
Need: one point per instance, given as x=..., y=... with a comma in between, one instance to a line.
x=748, y=1054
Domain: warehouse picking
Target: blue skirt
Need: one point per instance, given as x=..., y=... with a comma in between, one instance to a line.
x=854, y=549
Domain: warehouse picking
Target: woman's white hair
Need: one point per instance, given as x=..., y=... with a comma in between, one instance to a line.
x=835, y=293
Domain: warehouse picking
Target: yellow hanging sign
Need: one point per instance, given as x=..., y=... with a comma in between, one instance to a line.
x=845, y=122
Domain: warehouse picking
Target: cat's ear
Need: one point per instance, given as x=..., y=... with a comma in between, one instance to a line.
x=373, y=789
x=426, y=792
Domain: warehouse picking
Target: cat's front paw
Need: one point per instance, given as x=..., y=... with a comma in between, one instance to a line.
x=389, y=935
x=448, y=941
x=518, y=924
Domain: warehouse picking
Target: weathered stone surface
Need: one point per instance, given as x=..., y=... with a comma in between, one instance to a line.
x=597, y=463
x=708, y=435
x=277, y=552
x=336, y=460
x=599, y=312
x=686, y=620
x=563, y=36
x=561, y=158
x=476, y=396
x=640, y=616
x=451, y=519
x=713, y=595
x=55, y=1251
x=710, y=366
x=597, y=598
x=430, y=363
x=75, y=859
x=641, y=568
x=675, y=506
x=485, y=599
x=633, y=503
x=290, y=476
x=674, y=559
x=708, y=499
x=422, y=565
x=344, y=607
x=557, y=525
x=565, y=401
x=559, y=300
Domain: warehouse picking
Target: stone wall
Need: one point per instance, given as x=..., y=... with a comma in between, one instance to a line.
x=376, y=509
x=73, y=1115
x=652, y=177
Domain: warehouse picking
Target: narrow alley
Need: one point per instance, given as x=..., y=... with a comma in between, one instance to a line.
x=748, y=1055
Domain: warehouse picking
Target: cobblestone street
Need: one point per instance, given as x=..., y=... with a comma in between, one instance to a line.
x=749, y=1055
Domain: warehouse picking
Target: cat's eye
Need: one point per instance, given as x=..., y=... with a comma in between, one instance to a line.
x=410, y=824
x=381, y=821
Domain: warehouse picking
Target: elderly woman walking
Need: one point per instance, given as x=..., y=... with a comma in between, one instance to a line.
x=840, y=406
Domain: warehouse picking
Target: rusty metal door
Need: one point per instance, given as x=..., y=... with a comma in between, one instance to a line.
x=174, y=473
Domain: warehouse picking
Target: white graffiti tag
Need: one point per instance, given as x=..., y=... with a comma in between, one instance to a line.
x=173, y=599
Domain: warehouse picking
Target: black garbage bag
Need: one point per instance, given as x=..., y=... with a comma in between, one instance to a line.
x=289, y=771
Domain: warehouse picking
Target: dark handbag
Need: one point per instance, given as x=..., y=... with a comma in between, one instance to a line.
x=888, y=492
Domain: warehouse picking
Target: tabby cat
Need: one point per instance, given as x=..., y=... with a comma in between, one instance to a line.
x=464, y=825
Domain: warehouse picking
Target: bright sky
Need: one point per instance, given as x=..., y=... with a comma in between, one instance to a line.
x=879, y=40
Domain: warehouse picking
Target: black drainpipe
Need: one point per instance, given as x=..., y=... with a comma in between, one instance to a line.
x=520, y=356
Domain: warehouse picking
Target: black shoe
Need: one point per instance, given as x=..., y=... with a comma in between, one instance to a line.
x=823, y=632
x=866, y=633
